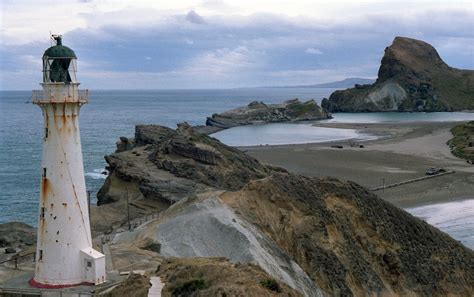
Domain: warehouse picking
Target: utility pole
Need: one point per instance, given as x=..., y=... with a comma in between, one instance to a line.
x=128, y=213
x=169, y=192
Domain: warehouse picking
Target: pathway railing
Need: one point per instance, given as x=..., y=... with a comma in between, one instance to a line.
x=17, y=259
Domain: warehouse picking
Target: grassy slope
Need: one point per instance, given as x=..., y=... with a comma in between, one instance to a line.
x=459, y=144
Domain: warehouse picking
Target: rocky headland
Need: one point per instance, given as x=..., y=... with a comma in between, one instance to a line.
x=412, y=77
x=318, y=236
x=161, y=166
x=258, y=112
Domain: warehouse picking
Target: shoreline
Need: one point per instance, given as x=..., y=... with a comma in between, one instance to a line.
x=406, y=152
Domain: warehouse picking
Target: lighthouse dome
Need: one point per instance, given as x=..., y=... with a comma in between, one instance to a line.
x=59, y=50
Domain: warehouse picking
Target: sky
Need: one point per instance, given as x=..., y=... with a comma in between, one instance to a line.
x=224, y=44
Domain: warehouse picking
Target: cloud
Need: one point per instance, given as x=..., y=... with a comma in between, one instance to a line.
x=172, y=46
x=195, y=18
x=222, y=62
x=313, y=51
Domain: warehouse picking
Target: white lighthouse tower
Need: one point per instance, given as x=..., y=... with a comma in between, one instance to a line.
x=64, y=253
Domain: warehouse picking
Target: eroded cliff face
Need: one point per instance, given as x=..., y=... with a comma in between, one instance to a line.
x=259, y=112
x=161, y=166
x=351, y=242
x=411, y=77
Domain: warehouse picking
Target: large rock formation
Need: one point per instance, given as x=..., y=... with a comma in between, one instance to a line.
x=168, y=164
x=259, y=112
x=317, y=236
x=411, y=77
x=161, y=166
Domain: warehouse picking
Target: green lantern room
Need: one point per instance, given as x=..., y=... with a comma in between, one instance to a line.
x=59, y=63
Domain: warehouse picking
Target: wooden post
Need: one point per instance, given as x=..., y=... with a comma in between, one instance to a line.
x=128, y=213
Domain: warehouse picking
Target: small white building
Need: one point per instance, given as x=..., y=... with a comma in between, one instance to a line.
x=64, y=253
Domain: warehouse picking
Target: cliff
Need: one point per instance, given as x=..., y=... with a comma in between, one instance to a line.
x=259, y=112
x=161, y=166
x=411, y=77
x=318, y=236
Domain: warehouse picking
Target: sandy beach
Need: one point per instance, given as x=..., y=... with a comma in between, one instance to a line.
x=404, y=151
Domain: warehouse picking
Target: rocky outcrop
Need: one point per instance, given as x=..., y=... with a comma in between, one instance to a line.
x=16, y=238
x=352, y=243
x=411, y=77
x=259, y=112
x=17, y=234
x=161, y=166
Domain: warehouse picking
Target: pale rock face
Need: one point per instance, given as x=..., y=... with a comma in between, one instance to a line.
x=389, y=96
x=209, y=228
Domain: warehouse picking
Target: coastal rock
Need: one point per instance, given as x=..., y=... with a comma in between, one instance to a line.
x=165, y=166
x=411, y=77
x=17, y=234
x=259, y=112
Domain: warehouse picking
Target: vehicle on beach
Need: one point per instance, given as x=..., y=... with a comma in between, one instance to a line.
x=434, y=171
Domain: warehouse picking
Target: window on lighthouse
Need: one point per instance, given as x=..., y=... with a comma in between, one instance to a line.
x=58, y=70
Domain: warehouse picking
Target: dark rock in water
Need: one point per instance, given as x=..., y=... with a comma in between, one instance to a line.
x=259, y=112
x=411, y=77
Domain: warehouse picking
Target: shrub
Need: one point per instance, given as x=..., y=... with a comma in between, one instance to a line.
x=271, y=284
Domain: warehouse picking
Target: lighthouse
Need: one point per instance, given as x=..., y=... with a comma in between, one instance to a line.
x=64, y=253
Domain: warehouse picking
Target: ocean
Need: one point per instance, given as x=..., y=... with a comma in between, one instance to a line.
x=111, y=114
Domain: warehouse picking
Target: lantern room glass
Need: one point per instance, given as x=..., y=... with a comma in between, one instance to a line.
x=59, y=70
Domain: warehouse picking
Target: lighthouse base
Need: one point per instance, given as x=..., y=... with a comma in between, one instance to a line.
x=33, y=283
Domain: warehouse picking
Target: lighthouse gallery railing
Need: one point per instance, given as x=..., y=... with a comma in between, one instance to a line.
x=41, y=96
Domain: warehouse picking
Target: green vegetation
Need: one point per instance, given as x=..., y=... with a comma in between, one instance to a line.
x=187, y=288
x=271, y=284
x=456, y=90
x=463, y=137
x=302, y=107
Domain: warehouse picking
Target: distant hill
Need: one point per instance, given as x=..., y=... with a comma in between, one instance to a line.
x=341, y=84
x=412, y=77
x=345, y=83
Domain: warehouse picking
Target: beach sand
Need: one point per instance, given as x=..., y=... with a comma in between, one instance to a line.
x=404, y=151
